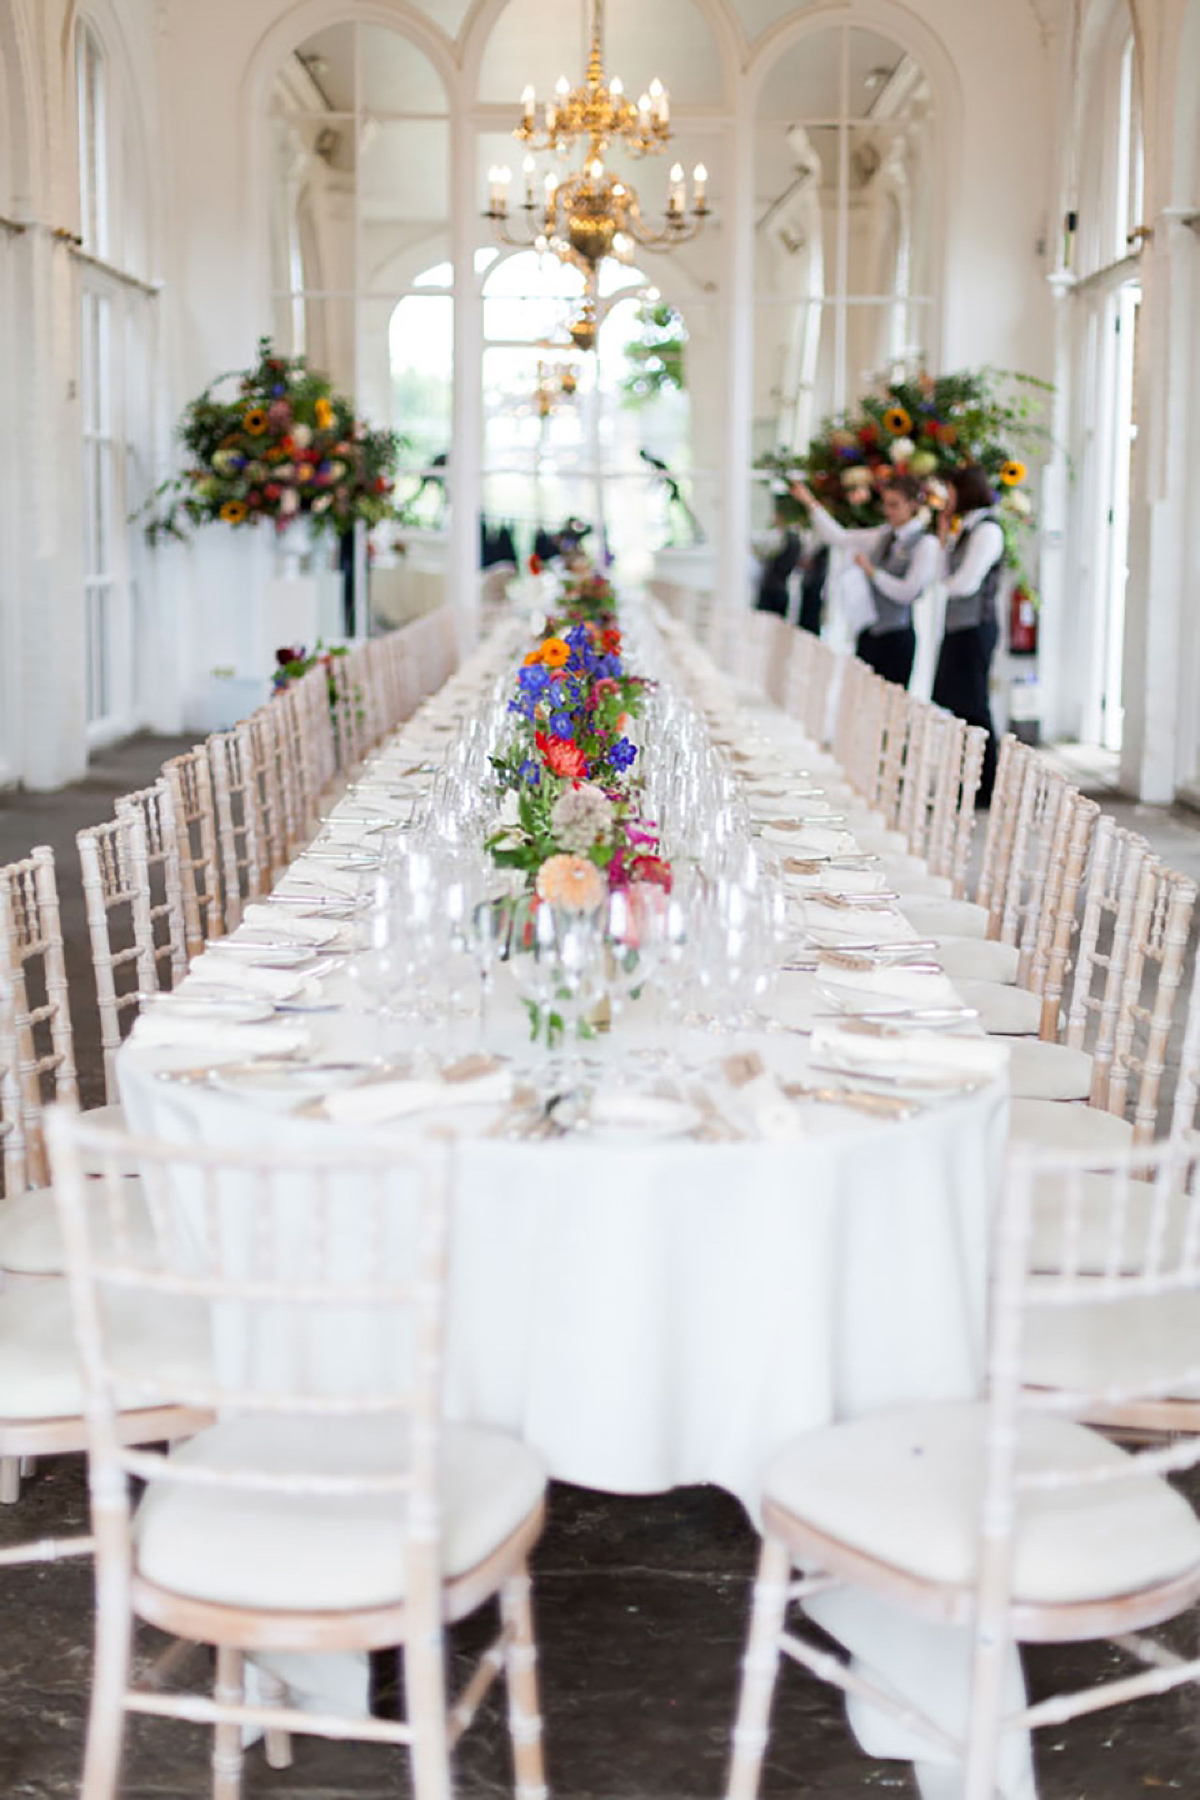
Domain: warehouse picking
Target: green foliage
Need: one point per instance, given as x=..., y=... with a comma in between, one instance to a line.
x=656, y=359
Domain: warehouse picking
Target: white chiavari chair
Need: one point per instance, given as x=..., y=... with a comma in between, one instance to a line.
x=245, y=868
x=1037, y=913
x=154, y=807
x=1131, y=1092
x=1010, y=1517
x=46, y=1047
x=189, y=779
x=938, y=917
x=348, y=713
x=264, y=751
x=128, y=958
x=330, y=1508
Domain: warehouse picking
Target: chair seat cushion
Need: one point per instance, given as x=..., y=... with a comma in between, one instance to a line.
x=1040, y=1071
x=39, y=1371
x=305, y=1552
x=932, y=917
x=909, y=875
x=31, y=1239
x=906, y=1487
x=1077, y=1224
x=1004, y=1011
x=1052, y=1125
x=874, y=838
x=978, y=959
x=1143, y=1346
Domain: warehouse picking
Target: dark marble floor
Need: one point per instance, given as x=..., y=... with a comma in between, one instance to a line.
x=640, y=1603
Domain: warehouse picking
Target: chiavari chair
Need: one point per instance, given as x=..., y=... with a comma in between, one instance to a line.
x=245, y=866
x=45, y=1043
x=1009, y=1517
x=1129, y=1087
x=189, y=779
x=939, y=917
x=128, y=957
x=330, y=1508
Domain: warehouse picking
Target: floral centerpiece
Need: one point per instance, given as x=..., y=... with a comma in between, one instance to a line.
x=926, y=426
x=571, y=822
x=284, y=446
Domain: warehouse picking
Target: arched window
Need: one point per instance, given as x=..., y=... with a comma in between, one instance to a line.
x=561, y=440
x=360, y=204
x=115, y=384
x=844, y=222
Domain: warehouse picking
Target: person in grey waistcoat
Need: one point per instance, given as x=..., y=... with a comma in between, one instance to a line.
x=899, y=560
x=972, y=566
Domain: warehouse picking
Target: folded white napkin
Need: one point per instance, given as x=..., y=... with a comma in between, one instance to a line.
x=161, y=1029
x=320, y=877
x=282, y=924
x=928, y=1055
x=837, y=881
x=382, y=1100
x=885, y=990
x=801, y=837
x=767, y=1110
x=237, y=972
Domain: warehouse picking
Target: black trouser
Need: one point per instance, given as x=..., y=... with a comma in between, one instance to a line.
x=961, y=686
x=889, y=653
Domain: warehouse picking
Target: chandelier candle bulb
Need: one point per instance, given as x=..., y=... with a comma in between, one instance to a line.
x=676, y=200
x=528, y=104
x=530, y=169
x=700, y=178
x=616, y=87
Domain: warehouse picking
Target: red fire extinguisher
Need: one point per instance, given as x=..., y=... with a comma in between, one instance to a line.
x=1022, y=623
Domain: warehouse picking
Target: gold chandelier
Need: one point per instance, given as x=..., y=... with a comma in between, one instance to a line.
x=592, y=214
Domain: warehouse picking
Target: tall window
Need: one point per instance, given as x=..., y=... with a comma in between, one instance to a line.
x=360, y=239
x=116, y=348
x=844, y=215
x=96, y=384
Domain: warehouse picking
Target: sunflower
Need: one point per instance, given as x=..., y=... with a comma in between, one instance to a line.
x=324, y=414
x=897, y=421
x=555, y=653
x=234, y=511
x=255, y=420
x=1013, y=474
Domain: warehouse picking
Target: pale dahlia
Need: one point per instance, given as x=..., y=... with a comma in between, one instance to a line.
x=581, y=816
x=571, y=882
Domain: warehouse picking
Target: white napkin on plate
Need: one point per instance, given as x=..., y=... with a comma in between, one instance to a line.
x=282, y=924
x=239, y=972
x=767, y=1110
x=378, y=1101
x=885, y=990
x=320, y=878
x=810, y=838
x=166, y=1030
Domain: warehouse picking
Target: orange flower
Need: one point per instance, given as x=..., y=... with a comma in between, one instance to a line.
x=555, y=653
x=571, y=882
x=531, y=657
x=1013, y=474
x=234, y=511
x=255, y=421
x=324, y=412
x=897, y=421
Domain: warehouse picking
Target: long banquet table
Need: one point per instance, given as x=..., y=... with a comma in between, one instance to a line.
x=653, y=1313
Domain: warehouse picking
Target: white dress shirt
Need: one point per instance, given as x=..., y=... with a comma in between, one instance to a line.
x=901, y=590
x=985, y=548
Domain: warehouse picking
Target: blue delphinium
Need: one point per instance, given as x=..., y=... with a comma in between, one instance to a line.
x=622, y=753
x=530, y=773
x=562, y=724
x=534, y=680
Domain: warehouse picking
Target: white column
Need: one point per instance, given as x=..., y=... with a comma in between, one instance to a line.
x=466, y=446
x=1161, y=666
x=737, y=287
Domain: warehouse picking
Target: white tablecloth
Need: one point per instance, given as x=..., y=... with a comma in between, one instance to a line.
x=657, y=1314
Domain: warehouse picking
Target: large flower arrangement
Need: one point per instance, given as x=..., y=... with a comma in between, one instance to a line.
x=928, y=426
x=572, y=822
x=285, y=447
